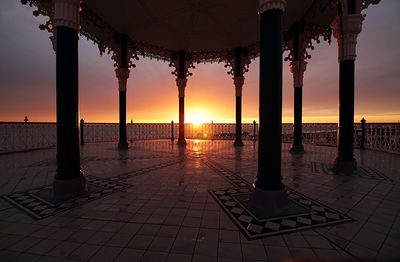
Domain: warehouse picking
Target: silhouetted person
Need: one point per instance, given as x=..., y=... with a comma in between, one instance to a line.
x=26, y=119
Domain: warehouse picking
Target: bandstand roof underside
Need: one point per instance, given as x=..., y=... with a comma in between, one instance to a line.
x=206, y=29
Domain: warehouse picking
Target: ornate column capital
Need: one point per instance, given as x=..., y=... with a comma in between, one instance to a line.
x=182, y=62
x=66, y=13
x=265, y=5
x=237, y=61
x=238, y=82
x=122, y=75
x=346, y=29
x=298, y=68
x=181, y=83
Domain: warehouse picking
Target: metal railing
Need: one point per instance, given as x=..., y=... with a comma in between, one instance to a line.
x=383, y=137
x=107, y=132
x=313, y=133
x=17, y=136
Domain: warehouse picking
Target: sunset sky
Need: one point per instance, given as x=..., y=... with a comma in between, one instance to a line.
x=27, y=78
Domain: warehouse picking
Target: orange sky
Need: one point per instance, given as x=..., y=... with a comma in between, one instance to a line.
x=28, y=78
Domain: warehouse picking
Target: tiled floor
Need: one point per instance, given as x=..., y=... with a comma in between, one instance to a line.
x=159, y=202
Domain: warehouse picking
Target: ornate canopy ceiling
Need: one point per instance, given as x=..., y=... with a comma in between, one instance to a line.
x=205, y=29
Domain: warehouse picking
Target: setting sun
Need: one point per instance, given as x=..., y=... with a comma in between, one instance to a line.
x=196, y=120
x=198, y=117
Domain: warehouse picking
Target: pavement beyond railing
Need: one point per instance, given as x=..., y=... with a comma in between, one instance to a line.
x=19, y=136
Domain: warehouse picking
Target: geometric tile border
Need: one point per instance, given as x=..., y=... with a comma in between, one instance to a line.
x=52, y=161
x=254, y=227
x=138, y=172
x=233, y=178
x=361, y=172
x=33, y=204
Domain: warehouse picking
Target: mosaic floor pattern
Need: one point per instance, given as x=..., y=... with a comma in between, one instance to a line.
x=161, y=202
x=35, y=204
x=255, y=227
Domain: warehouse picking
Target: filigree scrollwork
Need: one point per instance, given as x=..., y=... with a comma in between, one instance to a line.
x=209, y=56
x=362, y=4
x=96, y=30
x=310, y=33
x=44, y=8
x=132, y=54
x=313, y=33
x=116, y=56
x=366, y=3
x=187, y=65
x=288, y=46
x=232, y=60
x=152, y=51
x=100, y=33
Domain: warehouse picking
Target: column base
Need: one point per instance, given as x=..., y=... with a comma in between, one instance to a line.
x=182, y=142
x=238, y=143
x=344, y=166
x=64, y=189
x=123, y=145
x=297, y=149
x=269, y=202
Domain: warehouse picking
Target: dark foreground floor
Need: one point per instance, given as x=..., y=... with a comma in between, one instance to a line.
x=157, y=202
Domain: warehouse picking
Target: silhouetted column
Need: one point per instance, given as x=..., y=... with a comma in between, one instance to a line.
x=172, y=130
x=238, y=81
x=212, y=130
x=122, y=73
x=181, y=81
x=346, y=26
x=69, y=180
x=254, y=131
x=362, y=140
x=238, y=60
x=269, y=192
x=297, y=68
x=82, y=131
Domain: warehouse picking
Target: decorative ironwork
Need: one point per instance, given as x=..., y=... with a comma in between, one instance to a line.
x=383, y=137
x=363, y=4
x=310, y=33
x=366, y=3
x=188, y=64
x=116, y=56
x=26, y=136
x=95, y=29
x=319, y=134
x=19, y=136
x=44, y=8
x=230, y=62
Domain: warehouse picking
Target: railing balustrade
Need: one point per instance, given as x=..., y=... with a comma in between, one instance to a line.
x=383, y=137
x=17, y=136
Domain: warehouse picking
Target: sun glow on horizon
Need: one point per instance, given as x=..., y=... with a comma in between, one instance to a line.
x=198, y=117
